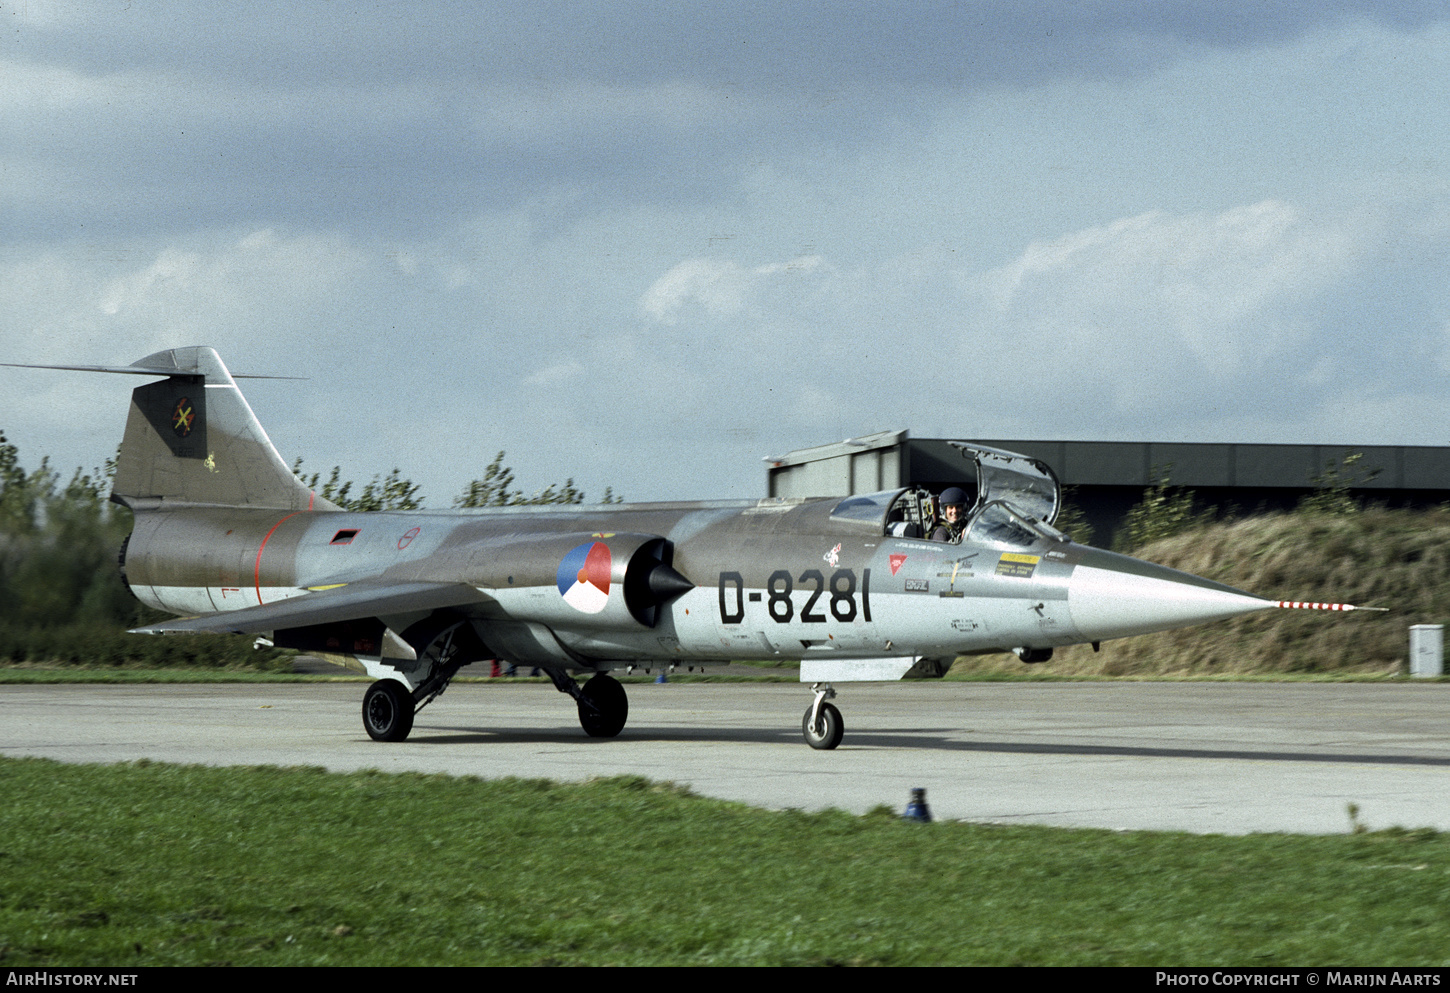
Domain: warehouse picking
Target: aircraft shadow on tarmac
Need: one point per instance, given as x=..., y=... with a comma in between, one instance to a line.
x=924, y=739
x=568, y=734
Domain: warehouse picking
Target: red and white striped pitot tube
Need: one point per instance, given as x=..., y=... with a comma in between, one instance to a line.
x=1305, y=605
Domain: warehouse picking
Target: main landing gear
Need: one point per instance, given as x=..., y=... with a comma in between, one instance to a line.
x=388, y=710
x=390, y=704
x=822, y=724
x=603, y=705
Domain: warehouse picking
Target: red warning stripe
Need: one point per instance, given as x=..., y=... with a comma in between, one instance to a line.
x=257, y=575
x=1302, y=605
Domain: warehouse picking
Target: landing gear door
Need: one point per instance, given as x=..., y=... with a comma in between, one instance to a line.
x=1027, y=485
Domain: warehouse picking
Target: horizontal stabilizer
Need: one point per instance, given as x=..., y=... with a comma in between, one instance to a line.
x=139, y=370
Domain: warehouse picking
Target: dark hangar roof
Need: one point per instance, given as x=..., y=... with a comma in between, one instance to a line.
x=1129, y=463
x=892, y=458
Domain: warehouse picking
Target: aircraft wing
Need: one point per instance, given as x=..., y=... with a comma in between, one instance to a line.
x=344, y=603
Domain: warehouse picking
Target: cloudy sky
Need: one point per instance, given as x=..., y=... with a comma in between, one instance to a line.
x=646, y=244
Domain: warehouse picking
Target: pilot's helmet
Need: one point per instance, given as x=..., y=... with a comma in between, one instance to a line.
x=953, y=495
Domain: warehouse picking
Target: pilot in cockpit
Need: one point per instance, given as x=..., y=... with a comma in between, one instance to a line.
x=953, y=515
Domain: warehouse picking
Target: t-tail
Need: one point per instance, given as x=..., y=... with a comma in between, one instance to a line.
x=192, y=440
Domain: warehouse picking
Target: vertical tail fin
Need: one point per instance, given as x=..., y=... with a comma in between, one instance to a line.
x=193, y=439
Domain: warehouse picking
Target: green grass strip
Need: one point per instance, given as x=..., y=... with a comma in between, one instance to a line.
x=152, y=864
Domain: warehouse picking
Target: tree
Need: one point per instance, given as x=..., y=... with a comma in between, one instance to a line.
x=1331, y=487
x=1164, y=511
x=390, y=492
x=21, y=494
x=1071, y=521
x=492, y=490
x=58, y=548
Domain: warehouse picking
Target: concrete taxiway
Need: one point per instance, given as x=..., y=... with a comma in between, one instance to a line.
x=1204, y=757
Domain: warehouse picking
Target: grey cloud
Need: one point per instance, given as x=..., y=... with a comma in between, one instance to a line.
x=405, y=117
x=768, y=45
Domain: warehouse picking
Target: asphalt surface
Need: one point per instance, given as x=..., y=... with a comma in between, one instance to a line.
x=1202, y=757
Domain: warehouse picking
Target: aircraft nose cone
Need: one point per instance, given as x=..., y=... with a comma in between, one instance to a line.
x=1114, y=596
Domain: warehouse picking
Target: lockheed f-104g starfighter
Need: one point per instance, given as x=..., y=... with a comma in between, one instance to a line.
x=226, y=534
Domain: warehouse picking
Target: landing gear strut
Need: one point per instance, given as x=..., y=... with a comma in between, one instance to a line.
x=822, y=724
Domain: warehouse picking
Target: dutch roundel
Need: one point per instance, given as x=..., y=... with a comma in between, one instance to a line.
x=584, y=577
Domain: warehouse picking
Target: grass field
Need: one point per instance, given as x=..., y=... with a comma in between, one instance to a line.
x=150, y=864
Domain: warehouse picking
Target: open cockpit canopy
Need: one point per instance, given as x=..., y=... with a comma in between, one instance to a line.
x=1017, y=500
x=1027, y=485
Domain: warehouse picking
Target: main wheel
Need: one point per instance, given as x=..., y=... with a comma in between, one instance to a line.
x=828, y=730
x=611, y=707
x=388, y=710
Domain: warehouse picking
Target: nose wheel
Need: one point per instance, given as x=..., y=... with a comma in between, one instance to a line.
x=822, y=725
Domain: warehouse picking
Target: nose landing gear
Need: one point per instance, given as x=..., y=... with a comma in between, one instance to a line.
x=822, y=725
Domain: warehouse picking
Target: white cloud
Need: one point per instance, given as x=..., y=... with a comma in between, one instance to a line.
x=555, y=374
x=1211, y=292
x=234, y=284
x=721, y=288
x=718, y=287
x=171, y=272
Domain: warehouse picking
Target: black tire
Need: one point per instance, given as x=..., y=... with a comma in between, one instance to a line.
x=830, y=730
x=611, y=707
x=388, y=710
